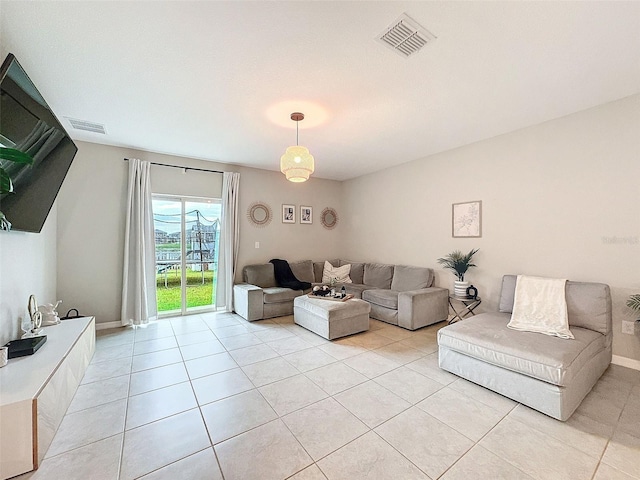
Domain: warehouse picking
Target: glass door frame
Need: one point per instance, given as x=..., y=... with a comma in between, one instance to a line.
x=184, y=310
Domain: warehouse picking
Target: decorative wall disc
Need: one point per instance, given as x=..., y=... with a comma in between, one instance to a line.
x=259, y=214
x=329, y=218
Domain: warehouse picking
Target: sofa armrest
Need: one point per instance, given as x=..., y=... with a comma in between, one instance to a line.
x=419, y=308
x=248, y=301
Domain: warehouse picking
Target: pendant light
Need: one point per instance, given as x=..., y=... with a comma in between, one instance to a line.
x=297, y=163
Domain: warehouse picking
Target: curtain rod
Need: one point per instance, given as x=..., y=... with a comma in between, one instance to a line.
x=183, y=168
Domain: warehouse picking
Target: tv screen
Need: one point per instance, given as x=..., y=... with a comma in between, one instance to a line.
x=28, y=124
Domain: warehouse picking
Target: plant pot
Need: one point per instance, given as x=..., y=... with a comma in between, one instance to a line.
x=460, y=288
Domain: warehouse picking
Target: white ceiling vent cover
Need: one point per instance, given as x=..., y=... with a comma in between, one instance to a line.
x=405, y=36
x=87, y=126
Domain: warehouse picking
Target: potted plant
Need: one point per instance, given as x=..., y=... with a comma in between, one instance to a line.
x=6, y=185
x=459, y=263
x=634, y=303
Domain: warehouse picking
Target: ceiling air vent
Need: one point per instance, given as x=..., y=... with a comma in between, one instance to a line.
x=405, y=36
x=87, y=126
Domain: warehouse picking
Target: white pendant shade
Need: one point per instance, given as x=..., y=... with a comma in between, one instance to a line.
x=297, y=164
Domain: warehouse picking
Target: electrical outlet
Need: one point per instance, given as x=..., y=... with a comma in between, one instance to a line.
x=628, y=327
x=257, y=244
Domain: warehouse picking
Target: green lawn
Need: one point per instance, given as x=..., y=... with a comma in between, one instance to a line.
x=168, y=246
x=198, y=294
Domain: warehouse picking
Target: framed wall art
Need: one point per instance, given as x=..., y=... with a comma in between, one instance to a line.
x=306, y=214
x=467, y=219
x=288, y=214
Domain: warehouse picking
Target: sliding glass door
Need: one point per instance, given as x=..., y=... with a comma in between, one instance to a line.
x=187, y=234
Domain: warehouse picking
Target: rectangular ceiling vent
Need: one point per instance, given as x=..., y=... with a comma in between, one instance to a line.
x=87, y=126
x=405, y=36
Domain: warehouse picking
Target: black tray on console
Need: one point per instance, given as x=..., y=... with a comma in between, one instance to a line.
x=25, y=346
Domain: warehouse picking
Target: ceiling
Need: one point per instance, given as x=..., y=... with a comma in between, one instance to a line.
x=218, y=80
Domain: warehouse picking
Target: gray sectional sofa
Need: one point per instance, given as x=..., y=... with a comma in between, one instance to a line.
x=549, y=374
x=398, y=294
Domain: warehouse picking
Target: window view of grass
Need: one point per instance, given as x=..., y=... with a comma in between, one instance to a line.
x=199, y=294
x=187, y=233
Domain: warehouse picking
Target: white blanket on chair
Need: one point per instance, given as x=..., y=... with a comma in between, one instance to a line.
x=540, y=306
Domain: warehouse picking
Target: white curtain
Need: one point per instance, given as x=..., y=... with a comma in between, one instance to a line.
x=139, y=305
x=229, y=240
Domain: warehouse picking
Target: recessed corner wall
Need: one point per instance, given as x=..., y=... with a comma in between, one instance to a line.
x=559, y=199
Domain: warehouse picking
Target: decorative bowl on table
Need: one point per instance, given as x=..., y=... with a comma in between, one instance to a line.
x=321, y=291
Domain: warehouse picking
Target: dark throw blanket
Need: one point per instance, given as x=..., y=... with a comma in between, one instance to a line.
x=285, y=277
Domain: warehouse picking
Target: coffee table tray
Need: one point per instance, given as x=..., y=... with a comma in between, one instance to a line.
x=330, y=298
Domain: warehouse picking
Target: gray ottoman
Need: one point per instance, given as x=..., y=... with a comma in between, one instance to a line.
x=331, y=319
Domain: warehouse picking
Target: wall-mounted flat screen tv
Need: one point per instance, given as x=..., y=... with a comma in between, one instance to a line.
x=28, y=124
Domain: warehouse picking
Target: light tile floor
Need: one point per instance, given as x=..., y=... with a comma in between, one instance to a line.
x=215, y=397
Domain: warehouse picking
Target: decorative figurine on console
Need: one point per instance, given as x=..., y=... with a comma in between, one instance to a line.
x=49, y=314
x=31, y=327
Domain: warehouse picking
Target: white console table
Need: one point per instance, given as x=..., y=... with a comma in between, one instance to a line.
x=36, y=390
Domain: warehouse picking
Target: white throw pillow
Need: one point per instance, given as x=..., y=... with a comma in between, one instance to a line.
x=540, y=306
x=341, y=274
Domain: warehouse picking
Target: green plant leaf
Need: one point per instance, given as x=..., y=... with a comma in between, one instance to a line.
x=6, y=186
x=15, y=156
x=458, y=262
x=634, y=302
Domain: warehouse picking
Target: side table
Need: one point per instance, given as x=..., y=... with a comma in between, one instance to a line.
x=466, y=307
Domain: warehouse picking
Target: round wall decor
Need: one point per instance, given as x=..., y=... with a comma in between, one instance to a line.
x=329, y=218
x=259, y=214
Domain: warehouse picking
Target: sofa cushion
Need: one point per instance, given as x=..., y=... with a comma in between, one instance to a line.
x=303, y=270
x=384, y=298
x=260, y=275
x=588, y=304
x=339, y=274
x=355, y=289
x=318, y=267
x=508, y=293
x=407, y=278
x=378, y=275
x=553, y=360
x=279, y=294
x=357, y=271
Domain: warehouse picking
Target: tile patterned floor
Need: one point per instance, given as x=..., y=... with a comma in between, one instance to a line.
x=214, y=397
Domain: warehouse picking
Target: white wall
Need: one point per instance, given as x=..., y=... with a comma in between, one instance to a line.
x=27, y=266
x=92, y=205
x=287, y=240
x=559, y=199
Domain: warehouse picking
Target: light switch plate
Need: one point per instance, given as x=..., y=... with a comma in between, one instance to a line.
x=628, y=327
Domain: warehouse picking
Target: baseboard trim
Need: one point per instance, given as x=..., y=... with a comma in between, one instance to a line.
x=626, y=362
x=107, y=325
